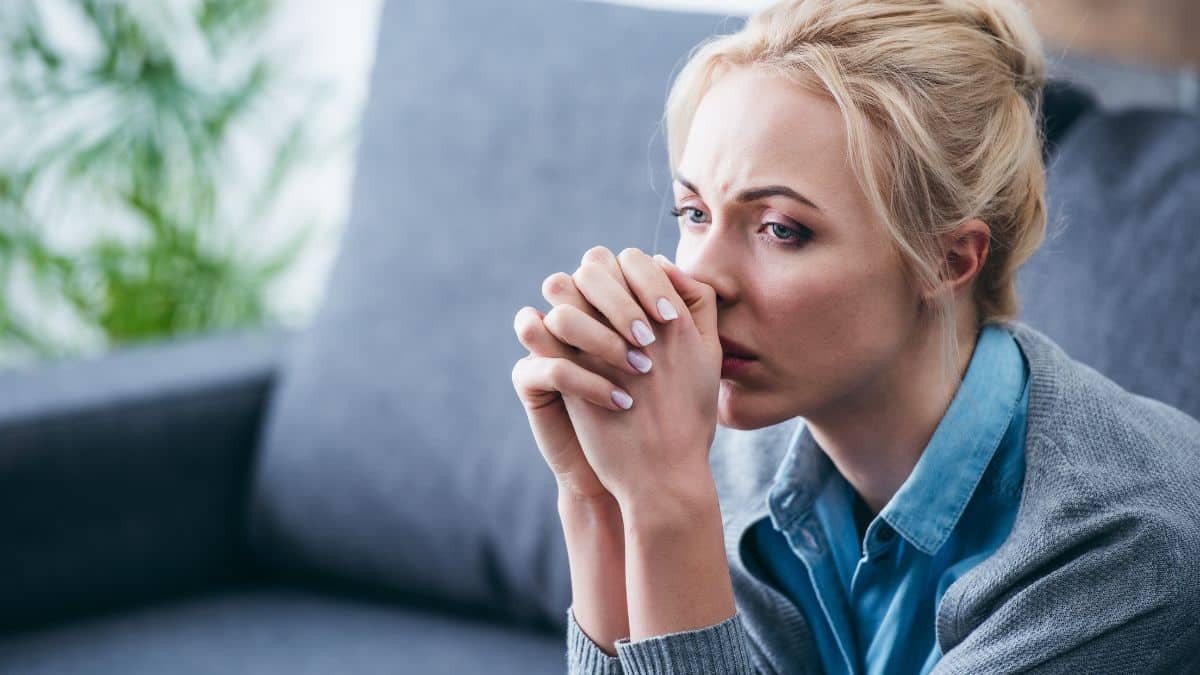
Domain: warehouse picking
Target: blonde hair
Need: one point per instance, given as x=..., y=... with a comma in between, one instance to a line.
x=941, y=100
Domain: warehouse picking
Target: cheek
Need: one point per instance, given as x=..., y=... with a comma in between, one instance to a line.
x=809, y=306
x=828, y=327
x=834, y=319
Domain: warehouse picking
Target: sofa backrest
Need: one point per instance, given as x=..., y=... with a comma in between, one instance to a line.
x=1117, y=282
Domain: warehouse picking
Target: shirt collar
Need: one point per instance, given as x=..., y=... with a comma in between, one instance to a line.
x=931, y=500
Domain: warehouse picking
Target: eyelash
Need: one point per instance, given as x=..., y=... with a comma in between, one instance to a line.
x=803, y=234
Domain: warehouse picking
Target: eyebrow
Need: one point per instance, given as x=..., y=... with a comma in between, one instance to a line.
x=754, y=194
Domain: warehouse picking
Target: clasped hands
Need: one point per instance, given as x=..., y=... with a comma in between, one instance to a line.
x=607, y=422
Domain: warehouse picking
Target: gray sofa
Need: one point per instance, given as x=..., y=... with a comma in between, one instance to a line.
x=365, y=496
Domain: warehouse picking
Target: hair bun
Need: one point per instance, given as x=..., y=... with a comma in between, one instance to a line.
x=1017, y=41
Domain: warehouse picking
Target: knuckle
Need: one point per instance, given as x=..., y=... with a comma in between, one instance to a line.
x=566, y=313
x=555, y=284
x=553, y=319
x=582, y=274
x=597, y=254
x=518, y=372
x=628, y=254
x=528, y=332
x=524, y=314
x=556, y=371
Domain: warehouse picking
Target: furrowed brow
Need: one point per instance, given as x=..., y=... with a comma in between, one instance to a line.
x=754, y=194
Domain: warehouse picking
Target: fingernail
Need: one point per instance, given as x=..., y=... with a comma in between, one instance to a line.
x=622, y=399
x=666, y=310
x=638, y=360
x=642, y=332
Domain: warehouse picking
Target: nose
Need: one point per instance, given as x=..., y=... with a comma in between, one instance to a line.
x=712, y=258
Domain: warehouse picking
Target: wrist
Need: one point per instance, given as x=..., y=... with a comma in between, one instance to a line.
x=667, y=509
x=676, y=568
x=578, y=509
x=594, y=535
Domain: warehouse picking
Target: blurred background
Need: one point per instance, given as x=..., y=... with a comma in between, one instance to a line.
x=174, y=167
x=171, y=167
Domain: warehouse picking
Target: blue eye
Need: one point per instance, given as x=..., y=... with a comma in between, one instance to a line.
x=790, y=234
x=679, y=212
x=785, y=235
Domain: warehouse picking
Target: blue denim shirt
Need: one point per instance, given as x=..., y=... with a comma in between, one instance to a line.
x=871, y=602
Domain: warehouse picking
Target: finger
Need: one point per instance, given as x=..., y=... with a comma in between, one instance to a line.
x=700, y=298
x=615, y=302
x=559, y=289
x=536, y=376
x=600, y=255
x=533, y=335
x=572, y=326
x=650, y=285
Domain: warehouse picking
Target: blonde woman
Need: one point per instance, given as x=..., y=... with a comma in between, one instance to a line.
x=821, y=441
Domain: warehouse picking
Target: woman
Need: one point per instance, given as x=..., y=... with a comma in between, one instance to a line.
x=821, y=441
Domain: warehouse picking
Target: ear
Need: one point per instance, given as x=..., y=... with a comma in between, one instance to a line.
x=966, y=248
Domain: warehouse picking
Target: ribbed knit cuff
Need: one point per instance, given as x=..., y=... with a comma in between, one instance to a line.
x=585, y=657
x=720, y=648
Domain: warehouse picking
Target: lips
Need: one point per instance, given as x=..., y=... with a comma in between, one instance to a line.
x=735, y=350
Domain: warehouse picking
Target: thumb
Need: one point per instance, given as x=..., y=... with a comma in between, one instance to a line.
x=700, y=298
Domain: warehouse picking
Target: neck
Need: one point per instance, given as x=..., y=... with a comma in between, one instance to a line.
x=876, y=435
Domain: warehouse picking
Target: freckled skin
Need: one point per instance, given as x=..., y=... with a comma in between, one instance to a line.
x=834, y=322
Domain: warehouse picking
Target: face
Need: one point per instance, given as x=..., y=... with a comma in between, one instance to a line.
x=814, y=291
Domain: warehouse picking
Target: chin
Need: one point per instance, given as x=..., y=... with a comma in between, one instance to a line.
x=737, y=409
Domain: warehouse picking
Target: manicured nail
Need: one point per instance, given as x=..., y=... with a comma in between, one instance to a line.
x=642, y=332
x=638, y=360
x=666, y=310
x=622, y=399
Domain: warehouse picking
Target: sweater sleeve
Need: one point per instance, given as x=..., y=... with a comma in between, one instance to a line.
x=585, y=657
x=1116, y=597
x=719, y=649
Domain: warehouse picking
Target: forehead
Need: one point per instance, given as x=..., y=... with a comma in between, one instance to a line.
x=753, y=127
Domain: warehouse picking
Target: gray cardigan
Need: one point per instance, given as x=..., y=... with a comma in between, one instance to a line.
x=1100, y=574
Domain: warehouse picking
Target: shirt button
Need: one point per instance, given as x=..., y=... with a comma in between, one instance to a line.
x=885, y=534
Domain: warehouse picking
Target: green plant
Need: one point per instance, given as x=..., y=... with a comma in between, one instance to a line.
x=133, y=134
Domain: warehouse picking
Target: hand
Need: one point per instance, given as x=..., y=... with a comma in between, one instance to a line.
x=647, y=456
x=554, y=366
x=593, y=527
x=659, y=446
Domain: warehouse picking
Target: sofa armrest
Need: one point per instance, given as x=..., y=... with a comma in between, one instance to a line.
x=123, y=478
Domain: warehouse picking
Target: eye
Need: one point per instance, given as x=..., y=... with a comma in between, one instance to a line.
x=791, y=236
x=683, y=209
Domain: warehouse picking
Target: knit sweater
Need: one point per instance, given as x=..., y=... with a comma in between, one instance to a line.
x=1100, y=574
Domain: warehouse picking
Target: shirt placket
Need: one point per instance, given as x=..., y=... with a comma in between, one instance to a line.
x=872, y=585
x=856, y=561
x=808, y=542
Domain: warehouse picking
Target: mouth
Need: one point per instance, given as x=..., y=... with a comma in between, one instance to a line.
x=734, y=358
x=731, y=349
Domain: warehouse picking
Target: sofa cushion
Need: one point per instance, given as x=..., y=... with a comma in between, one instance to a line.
x=500, y=142
x=1116, y=281
x=271, y=631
